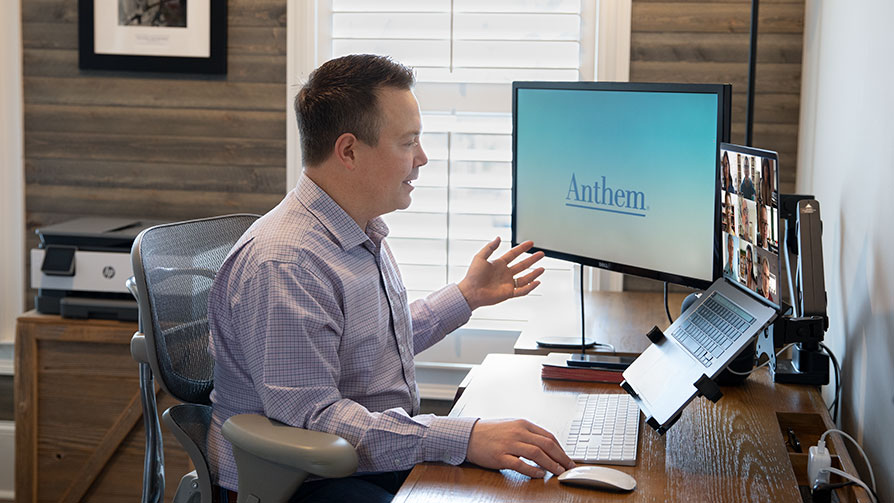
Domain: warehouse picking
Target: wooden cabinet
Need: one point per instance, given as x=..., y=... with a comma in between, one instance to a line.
x=79, y=428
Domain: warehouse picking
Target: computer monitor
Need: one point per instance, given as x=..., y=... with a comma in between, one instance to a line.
x=749, y=188
x=621, y=176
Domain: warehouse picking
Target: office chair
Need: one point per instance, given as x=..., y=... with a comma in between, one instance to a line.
x=174, y=265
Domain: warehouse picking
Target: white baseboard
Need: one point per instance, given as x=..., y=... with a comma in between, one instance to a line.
x=7, y=460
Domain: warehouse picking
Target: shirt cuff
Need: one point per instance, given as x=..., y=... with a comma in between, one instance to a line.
x=452, y=308
x=447, y=439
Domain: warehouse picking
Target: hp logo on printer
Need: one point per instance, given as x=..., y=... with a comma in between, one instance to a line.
x=108, y=272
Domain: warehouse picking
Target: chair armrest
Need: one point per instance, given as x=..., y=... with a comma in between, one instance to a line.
x=314, y=452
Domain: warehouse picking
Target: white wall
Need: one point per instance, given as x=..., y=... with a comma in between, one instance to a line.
x=846, y=155
x=12, y=205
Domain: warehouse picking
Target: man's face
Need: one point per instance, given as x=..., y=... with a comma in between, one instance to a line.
x=393, y=163
x=765, y=225
x=765, y=277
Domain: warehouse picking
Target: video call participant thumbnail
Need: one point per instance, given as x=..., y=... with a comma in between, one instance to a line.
x=746, y=266
x=729, y=256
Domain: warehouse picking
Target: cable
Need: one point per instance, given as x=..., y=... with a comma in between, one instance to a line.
x=865, y=458
x=666, y=308
x=836, y=402
x=606, y=345
x=855, y=480
x=761, y=365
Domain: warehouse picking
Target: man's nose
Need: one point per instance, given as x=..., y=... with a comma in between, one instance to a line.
x=421, y=157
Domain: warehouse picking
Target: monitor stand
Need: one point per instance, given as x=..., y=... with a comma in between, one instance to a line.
x=573, y=342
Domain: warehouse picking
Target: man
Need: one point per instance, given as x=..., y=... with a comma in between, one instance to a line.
x=764, y=231
x=309, y=316
x=730, y=250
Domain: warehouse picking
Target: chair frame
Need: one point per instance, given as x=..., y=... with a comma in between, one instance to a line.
x=272, y=459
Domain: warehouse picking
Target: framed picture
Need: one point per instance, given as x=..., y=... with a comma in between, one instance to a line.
x=182, y=36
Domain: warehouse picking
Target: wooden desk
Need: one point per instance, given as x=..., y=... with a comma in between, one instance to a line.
x=621, y=319
x=733, y=450
x=79, y=428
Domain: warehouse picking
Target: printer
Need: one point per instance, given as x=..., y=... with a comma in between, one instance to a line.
x=81, y=266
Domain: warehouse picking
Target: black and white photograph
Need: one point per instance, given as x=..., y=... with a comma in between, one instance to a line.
x=170, y=13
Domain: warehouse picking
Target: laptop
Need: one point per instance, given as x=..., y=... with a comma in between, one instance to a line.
x=738, y=305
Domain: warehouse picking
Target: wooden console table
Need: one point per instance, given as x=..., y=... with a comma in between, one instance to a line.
x=79, y=428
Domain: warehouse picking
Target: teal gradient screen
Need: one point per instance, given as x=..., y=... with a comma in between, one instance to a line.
x=626, y=177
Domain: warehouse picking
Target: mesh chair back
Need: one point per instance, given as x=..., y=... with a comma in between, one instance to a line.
x=174, y=266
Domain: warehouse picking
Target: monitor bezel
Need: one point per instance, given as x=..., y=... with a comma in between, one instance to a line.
x=723, y=92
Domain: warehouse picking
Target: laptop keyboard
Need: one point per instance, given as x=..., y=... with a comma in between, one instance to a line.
x=604, y=429
x=711, y=329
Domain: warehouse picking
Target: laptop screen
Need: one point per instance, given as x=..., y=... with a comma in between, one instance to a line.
x=749, y=190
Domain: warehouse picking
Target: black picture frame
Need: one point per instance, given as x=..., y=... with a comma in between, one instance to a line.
x=216, y=63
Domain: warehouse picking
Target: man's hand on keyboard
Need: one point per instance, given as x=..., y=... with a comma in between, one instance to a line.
x=499, y=443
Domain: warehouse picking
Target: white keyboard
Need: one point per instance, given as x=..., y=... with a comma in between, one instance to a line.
x=604, y=430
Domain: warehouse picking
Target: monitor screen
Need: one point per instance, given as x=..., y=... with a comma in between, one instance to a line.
x=749, y=182
x=621, y=176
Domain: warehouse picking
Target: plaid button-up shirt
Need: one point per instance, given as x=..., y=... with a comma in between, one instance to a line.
x=311, y=326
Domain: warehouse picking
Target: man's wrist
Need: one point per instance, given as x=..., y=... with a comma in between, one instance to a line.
x=468, y=294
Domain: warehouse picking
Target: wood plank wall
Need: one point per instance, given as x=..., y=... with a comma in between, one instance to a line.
x=706, y=42
x=148, y=145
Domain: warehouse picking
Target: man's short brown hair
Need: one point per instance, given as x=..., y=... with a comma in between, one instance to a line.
x=340, y=97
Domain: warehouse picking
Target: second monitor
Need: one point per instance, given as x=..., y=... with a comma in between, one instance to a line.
x=621, y=176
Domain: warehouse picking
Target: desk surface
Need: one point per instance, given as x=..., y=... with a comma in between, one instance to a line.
x=621, y=319
x=733, y=450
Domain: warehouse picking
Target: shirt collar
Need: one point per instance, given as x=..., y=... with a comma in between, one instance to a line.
x=344, y=229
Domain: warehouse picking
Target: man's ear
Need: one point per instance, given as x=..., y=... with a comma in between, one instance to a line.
x=345, y=150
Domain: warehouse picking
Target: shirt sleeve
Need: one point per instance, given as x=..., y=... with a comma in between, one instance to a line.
x=295, y=321
x=437, y=315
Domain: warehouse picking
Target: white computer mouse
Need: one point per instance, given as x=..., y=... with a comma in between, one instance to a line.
x=598, y=477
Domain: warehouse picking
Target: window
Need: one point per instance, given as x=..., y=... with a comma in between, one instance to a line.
x=466, y=54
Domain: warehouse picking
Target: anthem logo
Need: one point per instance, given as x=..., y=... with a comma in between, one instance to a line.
x=599, y=196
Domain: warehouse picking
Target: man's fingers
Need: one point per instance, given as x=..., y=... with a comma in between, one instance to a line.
x=513, y=253
x=527, y=278
x=488, y=249
x=514, y=463
x=526, y=263
x=536, y=454
x=540, y=431
x=553, y=454
x=526, y=284
x=524, y=290
x=551, y=445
